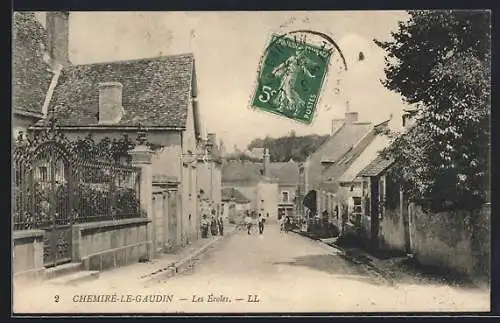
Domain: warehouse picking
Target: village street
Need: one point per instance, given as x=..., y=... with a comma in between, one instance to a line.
x=284, y=272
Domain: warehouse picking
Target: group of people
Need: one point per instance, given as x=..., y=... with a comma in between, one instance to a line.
x=260, y=222
x=214, y=225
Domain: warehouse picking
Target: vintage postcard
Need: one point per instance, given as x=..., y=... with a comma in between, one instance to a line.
x=251, y=162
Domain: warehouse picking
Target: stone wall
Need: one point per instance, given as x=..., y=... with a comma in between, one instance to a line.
x=391, y=233
x=27, y=255
x=109, y=244
x=458, y=241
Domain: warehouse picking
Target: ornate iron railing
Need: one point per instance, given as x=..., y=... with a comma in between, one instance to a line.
x=106, y=192
x=56, y=185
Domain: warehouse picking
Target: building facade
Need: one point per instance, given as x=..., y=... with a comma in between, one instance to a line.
x=270, y=186
x=319, y=173
x=117, y=98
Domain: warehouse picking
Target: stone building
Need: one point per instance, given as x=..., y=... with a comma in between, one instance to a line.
x=157, y=95
x=270, y=186
x=319, y=172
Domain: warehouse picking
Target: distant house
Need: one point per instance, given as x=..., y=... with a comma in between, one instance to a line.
x=234, y=203
x=157, y=95
x=271, y=186
x=376, y=187
x=287, y=174
x=348, y=187
x=317, y=176
x=36, y=62
x=384, y=220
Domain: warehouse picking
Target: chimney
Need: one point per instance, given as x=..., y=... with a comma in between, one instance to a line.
x=110, y=102
x=267, y=162
x=351, y=117
x=57, y=24
x=336, y=124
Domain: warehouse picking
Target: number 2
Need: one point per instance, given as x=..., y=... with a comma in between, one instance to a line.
x=56, y=298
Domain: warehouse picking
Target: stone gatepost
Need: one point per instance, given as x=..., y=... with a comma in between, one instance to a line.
x=141, y=157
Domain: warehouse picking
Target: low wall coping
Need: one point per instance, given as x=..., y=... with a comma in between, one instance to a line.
x=111, y=223
x=24, y=234
x=138, y=244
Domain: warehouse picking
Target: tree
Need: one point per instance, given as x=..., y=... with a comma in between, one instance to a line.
x=291, y=146
x=440, y=61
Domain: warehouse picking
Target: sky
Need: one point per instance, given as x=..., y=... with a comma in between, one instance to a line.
x=227, y=47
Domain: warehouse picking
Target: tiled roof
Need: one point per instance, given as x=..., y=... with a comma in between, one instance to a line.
x=342, y=168
x=156, y=91
x=344, y=147
x=364, y=157
x=232, y=194
x=344, y=140
x=332, y=149
x=241, y=171
x=284, y=172
x=376, y=167
x=31, y=75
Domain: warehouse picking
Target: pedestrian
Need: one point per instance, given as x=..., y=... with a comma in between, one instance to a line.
x=261, y=223
x=221, y=225
x=286, y=225
x=248, y=222
x=204, y=226
x=213, y=226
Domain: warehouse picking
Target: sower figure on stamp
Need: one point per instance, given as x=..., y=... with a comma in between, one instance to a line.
x=288, y=71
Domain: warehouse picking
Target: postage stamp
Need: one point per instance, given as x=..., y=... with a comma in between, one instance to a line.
x=291, y=77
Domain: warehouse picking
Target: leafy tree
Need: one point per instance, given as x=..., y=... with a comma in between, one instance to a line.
x=284, y=148
x=106, y=150
x=440, y=61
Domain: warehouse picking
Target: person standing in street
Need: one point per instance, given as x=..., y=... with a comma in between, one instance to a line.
x=213, y=226
x=248, y=222
x=204, y=227
x=220, y=222
x=261, y=223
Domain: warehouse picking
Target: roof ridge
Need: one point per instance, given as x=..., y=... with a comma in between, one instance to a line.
x=381, y=123
x=330, y=137
x=151, y=58
x=357, y=144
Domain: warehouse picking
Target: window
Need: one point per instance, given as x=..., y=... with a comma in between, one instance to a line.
x=357, y=204
x=382, y=189
x=285, y=197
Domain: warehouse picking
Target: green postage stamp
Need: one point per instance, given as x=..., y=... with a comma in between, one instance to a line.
x=290, y=79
